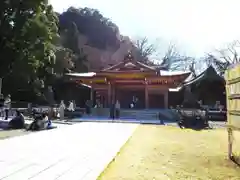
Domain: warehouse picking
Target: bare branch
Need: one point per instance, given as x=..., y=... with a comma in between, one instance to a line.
x=223, y=58
x=145, y=49
x=174, y=60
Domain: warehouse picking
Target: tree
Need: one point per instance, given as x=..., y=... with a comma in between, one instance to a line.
x=223, y=58
x=174, y=60
x=64, y=61
x=28, y=33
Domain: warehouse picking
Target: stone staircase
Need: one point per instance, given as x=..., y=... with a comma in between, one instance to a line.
x=138, y=114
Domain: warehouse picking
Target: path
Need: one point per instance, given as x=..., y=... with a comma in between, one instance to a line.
x=80, y=151
x=213, y=124
x=121, y=120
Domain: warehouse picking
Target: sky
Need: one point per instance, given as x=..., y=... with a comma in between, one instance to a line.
x=195, y=26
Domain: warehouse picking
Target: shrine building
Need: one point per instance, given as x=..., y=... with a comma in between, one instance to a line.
x=129, y=79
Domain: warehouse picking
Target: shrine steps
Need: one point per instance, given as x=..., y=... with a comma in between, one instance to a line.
x=138, y=114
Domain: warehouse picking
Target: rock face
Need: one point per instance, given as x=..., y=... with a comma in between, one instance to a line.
x=99, y=59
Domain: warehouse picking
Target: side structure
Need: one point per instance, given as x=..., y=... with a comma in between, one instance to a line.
x=232, y=76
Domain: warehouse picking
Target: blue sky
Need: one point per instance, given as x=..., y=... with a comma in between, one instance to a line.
x=195, y=26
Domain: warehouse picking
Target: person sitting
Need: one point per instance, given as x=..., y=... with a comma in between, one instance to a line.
x=47, y=123
x=36, y=124
x=41, y=122
x=17, y=122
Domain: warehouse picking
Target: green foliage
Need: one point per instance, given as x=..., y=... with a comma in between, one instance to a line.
x=64, y=61
x=100, y=31
x=28, y=34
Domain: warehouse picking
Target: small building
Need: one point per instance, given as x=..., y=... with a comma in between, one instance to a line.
x=131, y=81
x=208, y=87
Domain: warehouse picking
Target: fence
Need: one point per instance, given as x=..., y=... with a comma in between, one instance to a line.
x=232, y=77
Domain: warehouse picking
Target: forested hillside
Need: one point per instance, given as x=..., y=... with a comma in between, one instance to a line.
x=38, y=45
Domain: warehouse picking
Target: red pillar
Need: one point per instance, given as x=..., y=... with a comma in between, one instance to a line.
x=113, y=93
x=166, y=99
x=146, y=95
x=109, y=94
x=92, y=94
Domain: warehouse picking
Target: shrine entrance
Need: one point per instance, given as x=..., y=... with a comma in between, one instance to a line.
x=156, y=101
x=128, y=96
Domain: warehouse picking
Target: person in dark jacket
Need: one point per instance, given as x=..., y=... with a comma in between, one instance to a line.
x=112, y=111
x=117, y=109
x=17, y=122
x=88, y=107
x=2, y=105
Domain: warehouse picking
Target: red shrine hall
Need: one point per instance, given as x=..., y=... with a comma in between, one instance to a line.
x=131, y=80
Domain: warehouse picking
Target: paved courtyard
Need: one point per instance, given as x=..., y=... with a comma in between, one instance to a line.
x=80, y=151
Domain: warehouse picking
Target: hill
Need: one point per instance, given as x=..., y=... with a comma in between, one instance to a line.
x=98, y=37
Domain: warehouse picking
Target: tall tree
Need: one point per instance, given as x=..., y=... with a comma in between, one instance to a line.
x=64, y=61
x=28, y=32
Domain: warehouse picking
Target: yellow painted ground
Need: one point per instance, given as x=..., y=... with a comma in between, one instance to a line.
x=161, y=153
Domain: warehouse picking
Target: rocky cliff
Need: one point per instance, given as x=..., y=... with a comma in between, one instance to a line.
x=99, y=58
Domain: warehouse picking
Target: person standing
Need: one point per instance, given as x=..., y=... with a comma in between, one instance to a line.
x=117, y=109
x=62, y=109
x=112, y=111
x=2, y=105
x=7, y=106
x=71, y=106
x=87, y=107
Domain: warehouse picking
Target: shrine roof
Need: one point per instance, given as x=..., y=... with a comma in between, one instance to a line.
x=210, y=74
x=129, y=64
x=173, y=73
x=88, y=74
x=163, y=73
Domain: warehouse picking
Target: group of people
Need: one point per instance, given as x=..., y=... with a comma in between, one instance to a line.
x=41, y=121
x=5, y=105
x=62, y=108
